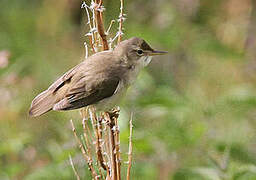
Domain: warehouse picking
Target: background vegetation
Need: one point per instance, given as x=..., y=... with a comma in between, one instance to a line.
x=194, y=109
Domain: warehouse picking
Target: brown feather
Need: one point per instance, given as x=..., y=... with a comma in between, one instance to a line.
x=80, y=99
x=42, y=103
x=79, y=87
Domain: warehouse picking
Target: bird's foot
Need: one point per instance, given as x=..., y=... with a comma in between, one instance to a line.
x=114, y=113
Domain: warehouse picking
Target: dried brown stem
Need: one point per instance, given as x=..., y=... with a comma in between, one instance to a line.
x=91, y=44
x=86, y=130
x=130, y=151
x=117, y=148
x=111, y=138
x=100, y=25
x=110, y=26
x=100, y=149
x=92, y=36
x=98, y=136
x=121, y=18
x=86, y=157
x=106, y=139
x=101, y=136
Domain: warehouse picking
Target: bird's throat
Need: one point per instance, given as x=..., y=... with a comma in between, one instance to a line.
x=145, y=60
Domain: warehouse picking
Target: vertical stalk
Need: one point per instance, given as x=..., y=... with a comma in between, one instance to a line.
x=121, y=18
x=100, y=25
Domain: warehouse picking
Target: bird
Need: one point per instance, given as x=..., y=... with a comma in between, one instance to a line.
x=100, y=80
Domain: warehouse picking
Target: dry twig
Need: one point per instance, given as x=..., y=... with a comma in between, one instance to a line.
x=100, y=25
x=101, y=136
x=110, y=26
x=130, y=151
x=117, y=148
x=86, y=157
x=97, y=132
x=121, y=19
x=73, y=167
x=111, y=138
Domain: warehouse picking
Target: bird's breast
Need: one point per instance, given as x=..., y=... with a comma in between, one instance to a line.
x=127, y=77
x=131, y=75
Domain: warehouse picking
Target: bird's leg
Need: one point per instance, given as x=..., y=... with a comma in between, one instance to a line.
x=114, y=113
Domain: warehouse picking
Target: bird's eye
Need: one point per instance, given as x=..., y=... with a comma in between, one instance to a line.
x=140, y=52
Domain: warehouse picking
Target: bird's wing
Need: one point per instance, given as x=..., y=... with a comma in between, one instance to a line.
x=63, y=79
x=86, y=90
x=45, y=101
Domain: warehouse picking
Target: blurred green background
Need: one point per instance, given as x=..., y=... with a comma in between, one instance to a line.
x=194, y=109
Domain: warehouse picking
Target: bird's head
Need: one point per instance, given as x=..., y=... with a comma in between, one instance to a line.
x=137, y=51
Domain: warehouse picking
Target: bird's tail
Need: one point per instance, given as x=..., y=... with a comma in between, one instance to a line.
x=42, y=103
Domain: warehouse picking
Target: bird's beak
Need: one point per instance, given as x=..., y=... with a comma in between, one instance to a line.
x=153, y=53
